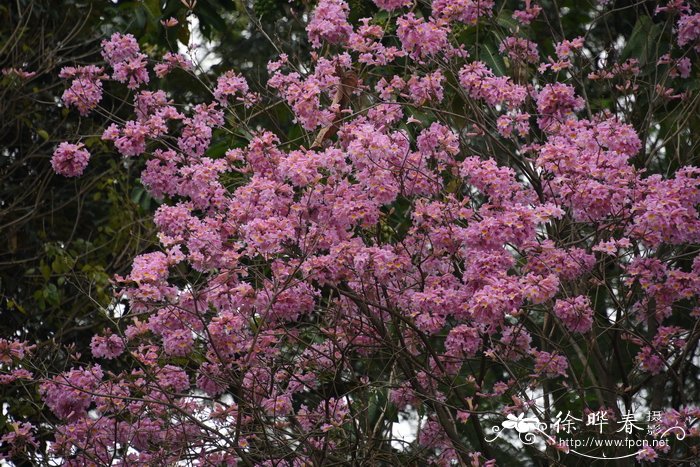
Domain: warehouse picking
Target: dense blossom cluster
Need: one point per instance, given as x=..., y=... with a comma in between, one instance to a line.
x=329, y=23
x=689, y=30
x=123, y=54
x=300, y=270
x=575, y=313
x=421, y=38
x=70, y=159
x=465, y=11
x=85, y=92
x=520, y=49
x=481, y=83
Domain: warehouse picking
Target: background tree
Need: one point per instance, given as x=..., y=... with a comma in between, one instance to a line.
x=426, y=233
x=62, y=241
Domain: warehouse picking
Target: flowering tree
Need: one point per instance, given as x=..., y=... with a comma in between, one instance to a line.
x=463, y=226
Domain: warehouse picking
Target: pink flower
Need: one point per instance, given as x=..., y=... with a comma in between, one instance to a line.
x=665, y=209
x=228, y=333
x=19, y=437
x=160, y=175
x=421, y=38
x=367, y=42
x=650, y=361
x=647, y=454
x=575, y=313
x=517, y=121
x=519, y=49
x=84, y=94
x=172, y=61
x=132, y=71
x=681, y=68
x=170, y=22
x=120, y=48
x=539, y=289
x=565, y=48
x=210, y=379
x=122, y=52
x=304, y=95
x=278, y=406
x=18, y=72
x=149, y=267
x=14, y=375
x=689, y=30
x=463, y=341
x=498, y=182
x=550, y=364
x=68, y=395
x=85, y=91
x=557, y=103
x=528, y=15
x=174, y=378
x=178, y=342
x=231, y=84
x=466, y=11
x=514, y=343
x=13, y=350
x=439, y=142
x=108, y=347
x=481, y=83
x=132, y=139
x=70, y=160
x=426, y=89
x=390, y=5
x=329, y=23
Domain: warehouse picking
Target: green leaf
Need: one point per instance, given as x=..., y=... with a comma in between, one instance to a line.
x=493, y=59
x=183, y=33
x=505, y=20
x=136, y=194
x=642, y=42
x=45, y=270
x=153, y=7
x=218, y=149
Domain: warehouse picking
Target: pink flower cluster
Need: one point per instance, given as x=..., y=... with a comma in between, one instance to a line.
x=390, y=5
x=232, y=84
x=367, y=42
x=304, y=95
x=429, y=226
x=528, y=14
x=123, y=54
x=575, y=313
x=67, y=395
x=18, y=72
x=465, y=11
x=589, y=162
x=689, y=30
x=666, y=210
x=14, y=350
x=420, y=38
x=108, y=347
x=70, y=159
x=550, y=364
x=680, y=67
x=19, y=438
x=557, y=103
x=481, y=83
x=85, y=92
x=329, y=23
x=519, y=49
x=172, y=61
